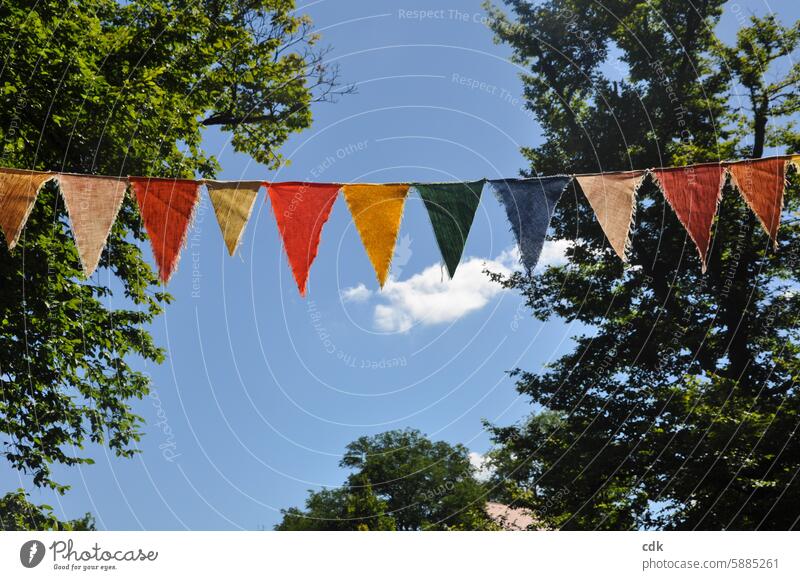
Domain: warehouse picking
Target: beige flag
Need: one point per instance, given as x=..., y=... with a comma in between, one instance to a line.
x=233, y=202
x=18, y=191
x=93, y=203
x=613, y=199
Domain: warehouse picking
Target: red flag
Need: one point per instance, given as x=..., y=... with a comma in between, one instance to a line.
x=694, y=192
x=166, y=206
x=760, y=181
x=301, y=210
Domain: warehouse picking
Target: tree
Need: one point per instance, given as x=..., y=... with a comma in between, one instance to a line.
x=757, y=48
x=678, y=406
x=401, y=480
x=19, y=514
x=97, y=86
x=341, y=510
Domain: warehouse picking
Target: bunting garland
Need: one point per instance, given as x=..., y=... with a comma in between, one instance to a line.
x=451, y=208
x=233, y=203
x=613, y=199
x=167, y=207
x=377, y=211
x=92, y=204
x=301, y=209
x=760, y=181
x=693, y=193
x=18, y=191
x=529, y=206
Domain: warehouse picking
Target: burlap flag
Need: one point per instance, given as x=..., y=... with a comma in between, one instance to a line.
x=92, y=203
x=761, y=181
x=301, y=210
x=377, y=211
x=693, y=192
x=451, y=207
x=18, y=191
x=233, y=202
x=613, y=199
x=167, y=206
x=529, y=205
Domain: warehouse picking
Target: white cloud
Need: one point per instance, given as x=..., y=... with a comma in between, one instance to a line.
x=482, y=470
x=553, y=253
x=429, y=298
x=358, y=293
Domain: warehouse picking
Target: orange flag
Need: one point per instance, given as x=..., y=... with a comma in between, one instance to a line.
x=377, y=210
x=233, y=203
x=613, y=199
x=694, y=192
x=167, y=206
x=18, y=191
x=92, y=203
x=301, y=210
x=760, y=181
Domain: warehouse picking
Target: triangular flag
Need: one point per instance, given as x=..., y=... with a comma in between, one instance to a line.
x=167, y=206
x=529, y=205
x=761, y=181
x=92, y=203
x=301, y=209
x=18, y=191
x=693, y=192
x=613, y=199
x=451, y=207
x=377, y=211
x=233, y=202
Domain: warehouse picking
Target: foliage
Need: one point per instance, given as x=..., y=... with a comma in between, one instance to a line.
x=749, y=60
x=19, y=514
x=98, y=86
x=678, y=406
x=341, y=510
x=401, y=480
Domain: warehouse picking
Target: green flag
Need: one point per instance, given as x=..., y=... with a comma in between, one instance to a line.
x=451, y=207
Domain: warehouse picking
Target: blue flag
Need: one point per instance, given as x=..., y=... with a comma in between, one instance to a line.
x=529, y=206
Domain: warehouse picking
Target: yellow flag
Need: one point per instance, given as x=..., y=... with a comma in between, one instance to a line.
x=377, y=210
x=18, y=191
x=233, y=202
x=795, y=160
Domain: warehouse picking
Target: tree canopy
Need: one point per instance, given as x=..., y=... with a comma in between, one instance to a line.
x=677, y=408
x=118, y=88
x=19, y=514
x=401, y=480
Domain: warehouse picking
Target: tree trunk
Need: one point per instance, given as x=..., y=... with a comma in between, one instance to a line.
x=737, y=320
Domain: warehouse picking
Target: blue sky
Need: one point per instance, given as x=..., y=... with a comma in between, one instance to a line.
x=262, y=389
